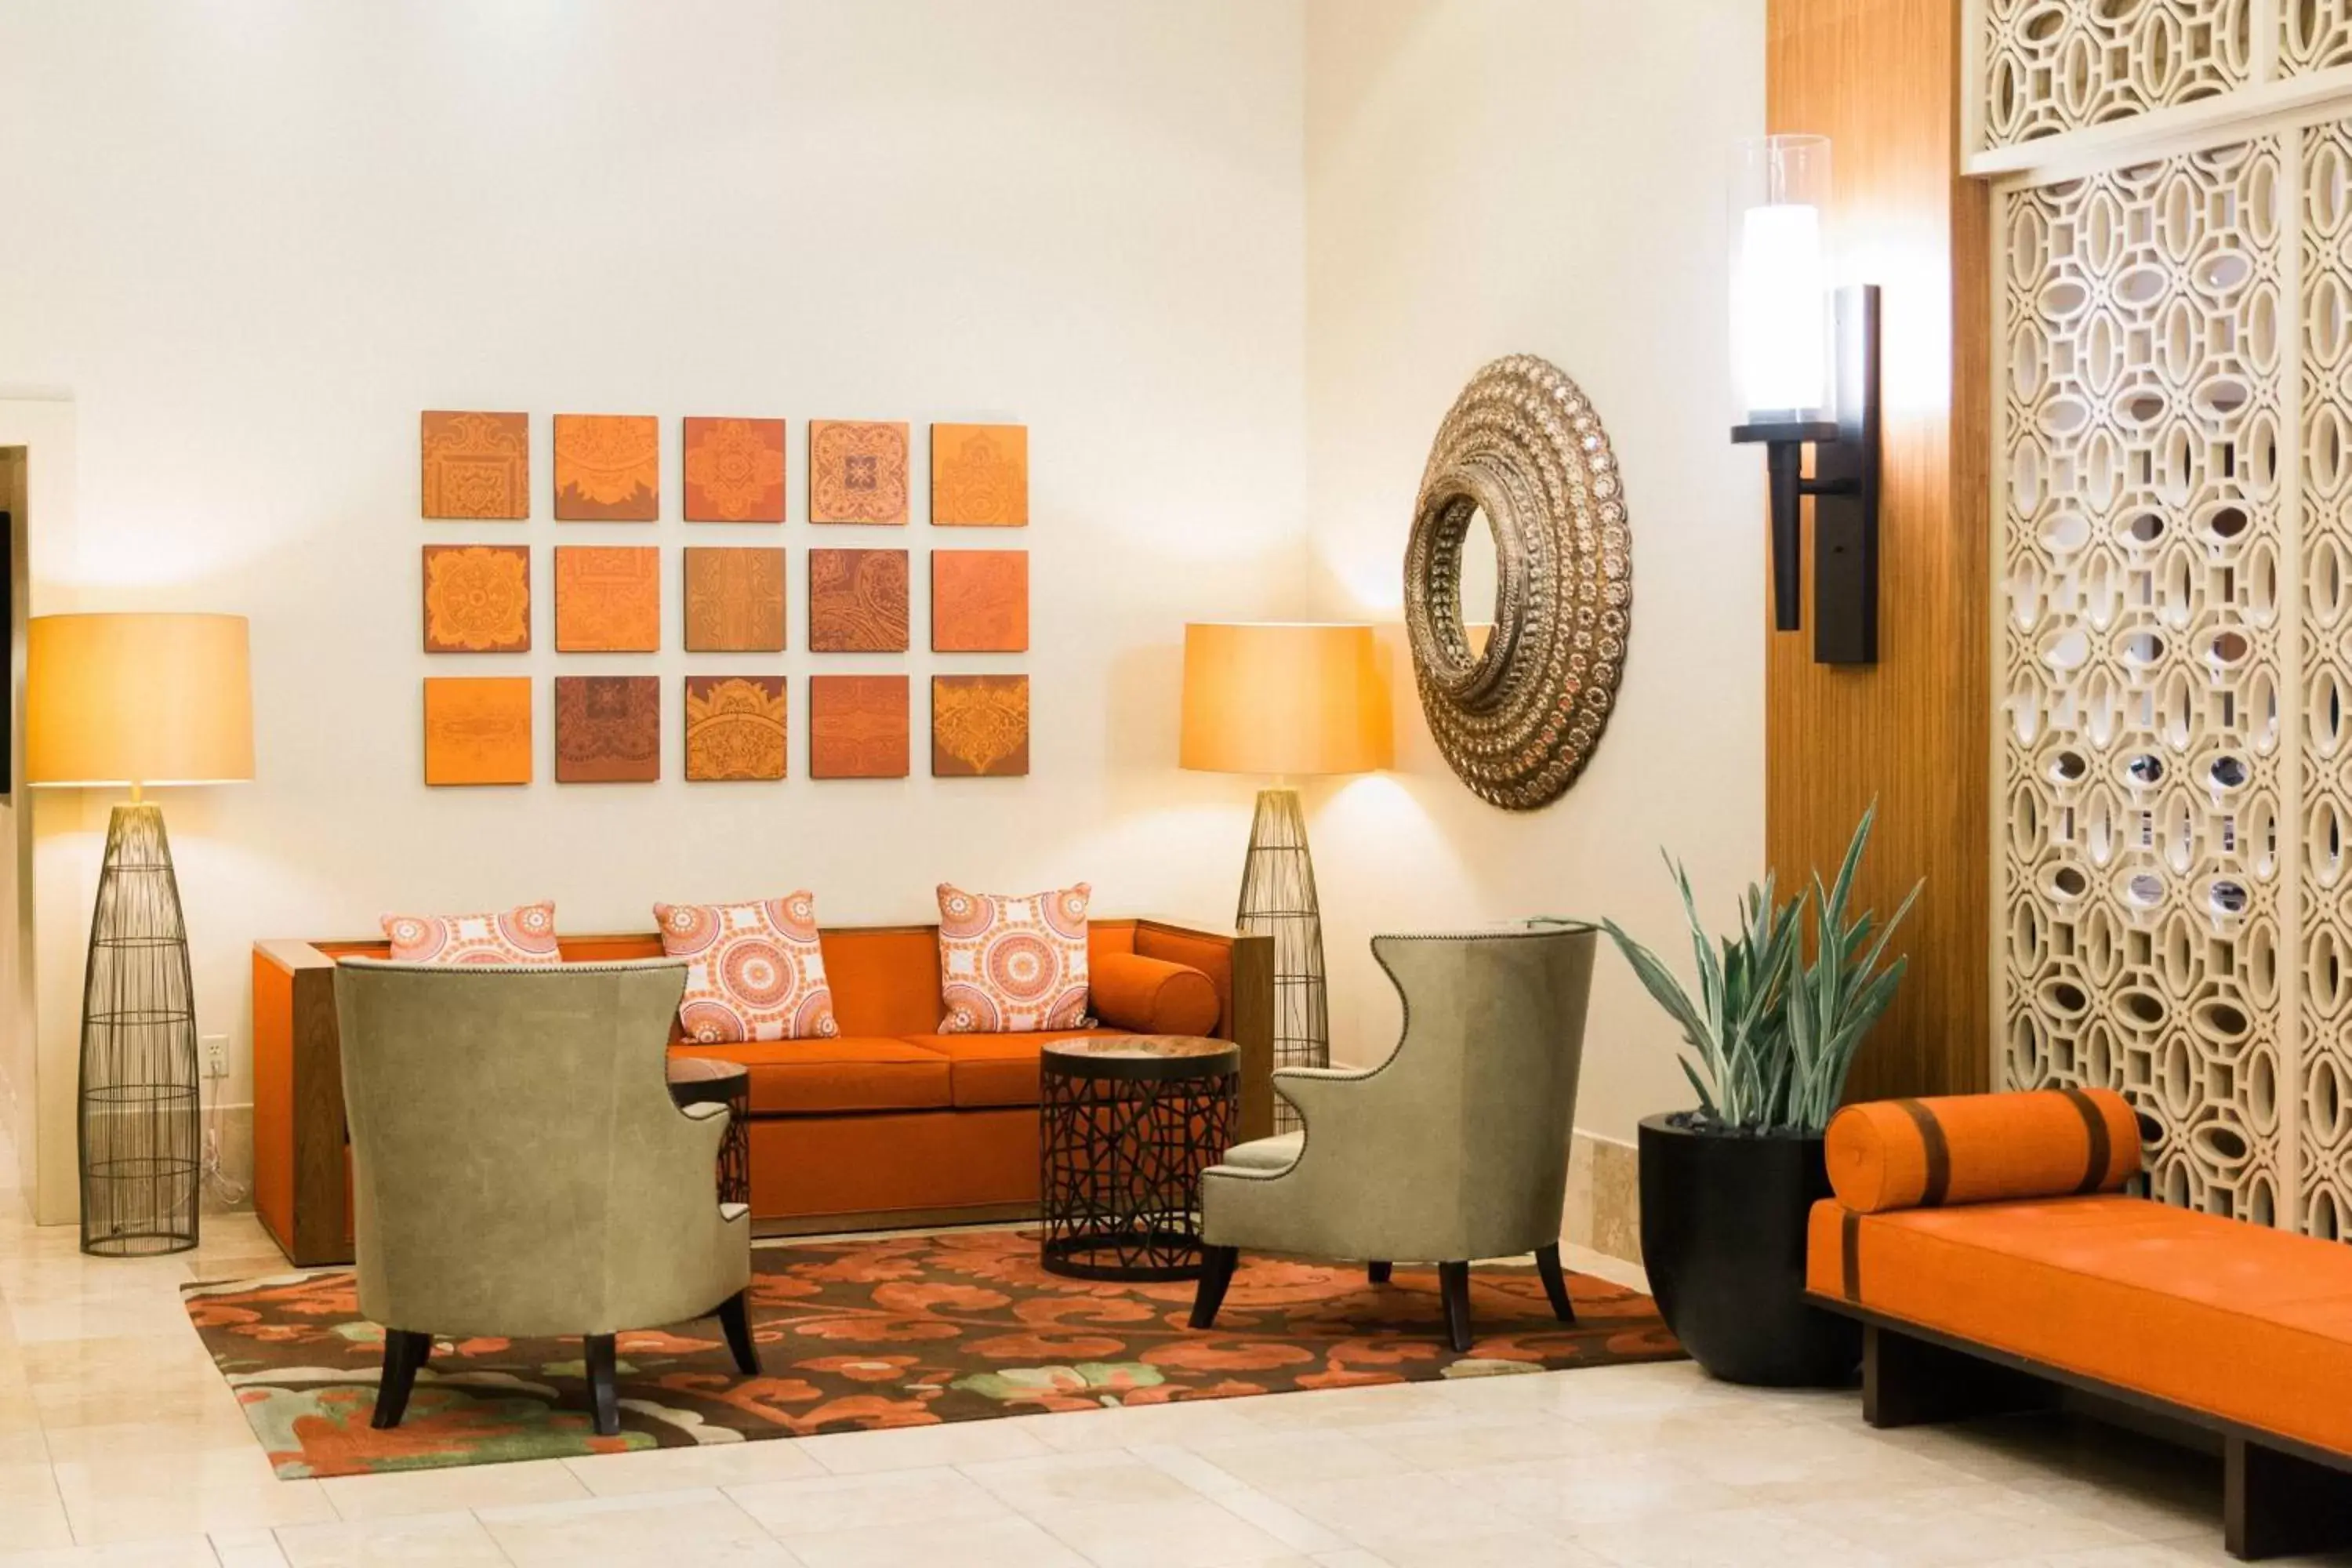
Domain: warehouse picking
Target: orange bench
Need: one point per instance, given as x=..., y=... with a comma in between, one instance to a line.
x=1986, y=1245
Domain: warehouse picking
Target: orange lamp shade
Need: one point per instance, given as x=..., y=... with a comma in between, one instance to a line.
x=137, y=699
x=1283, y=698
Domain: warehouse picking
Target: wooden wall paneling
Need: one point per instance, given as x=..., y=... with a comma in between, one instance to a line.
x=1882, y=79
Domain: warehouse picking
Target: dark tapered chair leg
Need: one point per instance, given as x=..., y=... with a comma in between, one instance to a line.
x=604, y=1393
x=1454, y=1283
x=404, y=1354
x=736, y=1318
x=1216, y=1272
x=1379, y=1269
x=1554, y=1282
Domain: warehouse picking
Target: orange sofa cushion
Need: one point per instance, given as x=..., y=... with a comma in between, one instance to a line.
x=848, y=1072
x=2235, y=1320
x=993, y=1070
x=1153, y=996
x=1975, y=1148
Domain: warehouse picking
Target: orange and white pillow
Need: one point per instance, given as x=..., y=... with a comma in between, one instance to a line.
x=753, y=972
x=1013, y=965
x=522, y=938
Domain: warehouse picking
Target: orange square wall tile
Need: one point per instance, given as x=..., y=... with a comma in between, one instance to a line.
x=607, y=729
x=980, y=476
x=980, y=600
x=477, y=465
x=734, y=470
x=608, y=598
x=857, y=726
x=477, y=729
x=857, y=472
x=735, y=727
x=607, y=468
x=734, y=599
x=857, y=601
x=476, y=598
x=979, y=726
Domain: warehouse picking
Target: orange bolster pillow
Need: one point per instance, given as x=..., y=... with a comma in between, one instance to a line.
x=1151, y=996
x=1979, y=1148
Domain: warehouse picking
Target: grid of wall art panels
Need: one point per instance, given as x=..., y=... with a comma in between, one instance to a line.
x=613, y=588
x=2054, y=67
x=2176, y=594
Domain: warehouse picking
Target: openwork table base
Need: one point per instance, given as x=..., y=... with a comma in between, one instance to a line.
x=1129, y=1125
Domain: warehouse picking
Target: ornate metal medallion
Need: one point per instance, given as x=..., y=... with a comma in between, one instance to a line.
x=1519, y=720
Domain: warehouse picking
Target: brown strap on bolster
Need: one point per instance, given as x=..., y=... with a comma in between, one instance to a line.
x=1938, y=1149
x=2094, y=1173
x=1850, y=1254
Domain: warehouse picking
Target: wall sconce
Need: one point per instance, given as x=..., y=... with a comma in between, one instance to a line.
x=1805, y=361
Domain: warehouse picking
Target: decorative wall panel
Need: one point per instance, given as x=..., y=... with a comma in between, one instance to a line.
x=2141, y=663
x=2314, y=36
x=2325, y=968
x=2054, y=66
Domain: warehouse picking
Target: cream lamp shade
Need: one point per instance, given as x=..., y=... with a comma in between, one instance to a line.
x=137, y=699
x=1284, y=697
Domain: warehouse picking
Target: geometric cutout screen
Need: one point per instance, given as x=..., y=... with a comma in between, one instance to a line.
x=734, y=600
x=607, y=468
x=857, y=726
x=734, y=470
x=857, y=601
x=979, y=726
x=857, y=472
x=477, y=729
x=735, y=727
x=980, y=600
x=607, y=729
x=608, y=598
x=980, y=476
x=476, y=598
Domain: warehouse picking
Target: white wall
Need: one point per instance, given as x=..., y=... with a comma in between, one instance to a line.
x=1495, y=177
x=253, y=240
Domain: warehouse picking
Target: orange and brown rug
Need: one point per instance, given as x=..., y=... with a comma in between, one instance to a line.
x=899, y=1331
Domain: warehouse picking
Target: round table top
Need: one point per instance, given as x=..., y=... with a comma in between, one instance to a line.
x=1141, y=1056
x=703, y=1069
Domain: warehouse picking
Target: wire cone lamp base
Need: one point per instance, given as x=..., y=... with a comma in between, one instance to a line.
x=140, y=1168
x=1278, y=901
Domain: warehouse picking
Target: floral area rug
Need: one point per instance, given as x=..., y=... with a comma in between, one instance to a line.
x=900, y=1331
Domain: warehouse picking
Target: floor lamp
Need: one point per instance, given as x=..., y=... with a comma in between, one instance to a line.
x=138, y=701
x=1284, y=699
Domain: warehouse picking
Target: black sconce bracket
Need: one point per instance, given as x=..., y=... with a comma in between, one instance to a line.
x=1844, y=488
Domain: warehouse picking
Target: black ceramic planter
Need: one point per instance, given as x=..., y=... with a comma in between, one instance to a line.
x=1723, y=1237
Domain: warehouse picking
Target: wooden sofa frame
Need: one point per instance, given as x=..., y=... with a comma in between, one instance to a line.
x=2279, y=1496
x=301, y=1188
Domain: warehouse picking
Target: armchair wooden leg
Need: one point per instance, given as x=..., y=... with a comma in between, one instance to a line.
x=1454, y=1283
x=1216, y=1272
x=736, y=1319
x=403, y=1353
x=1554, y=1282
x=604, y=1394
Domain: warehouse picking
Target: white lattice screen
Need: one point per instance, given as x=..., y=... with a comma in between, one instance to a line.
x=2174, y=516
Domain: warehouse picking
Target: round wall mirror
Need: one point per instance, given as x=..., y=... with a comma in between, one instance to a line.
x=1521, y=518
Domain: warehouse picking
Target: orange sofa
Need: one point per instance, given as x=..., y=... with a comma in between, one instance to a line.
x=890, y=1123
x=1990, y=1250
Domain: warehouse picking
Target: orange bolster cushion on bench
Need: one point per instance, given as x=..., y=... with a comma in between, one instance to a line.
x=1151, y=996
x=1980, y=1148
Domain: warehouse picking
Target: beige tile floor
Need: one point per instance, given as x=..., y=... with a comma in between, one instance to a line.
x=119, y=1445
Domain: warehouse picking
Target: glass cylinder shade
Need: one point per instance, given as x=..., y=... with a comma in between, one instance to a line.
x=1780, y=279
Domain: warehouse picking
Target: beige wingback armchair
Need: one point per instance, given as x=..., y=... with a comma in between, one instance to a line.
x=520, y=1170
x=1454, y=1148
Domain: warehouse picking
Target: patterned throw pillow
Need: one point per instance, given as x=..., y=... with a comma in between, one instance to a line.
x=1009, y=966
x=522, y=938
x=753, y=972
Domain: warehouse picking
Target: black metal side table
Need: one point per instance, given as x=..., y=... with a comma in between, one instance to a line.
x=1130, y=1122
x=706, y=1081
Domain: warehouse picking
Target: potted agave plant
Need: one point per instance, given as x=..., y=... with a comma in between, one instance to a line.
x=1726, y=1188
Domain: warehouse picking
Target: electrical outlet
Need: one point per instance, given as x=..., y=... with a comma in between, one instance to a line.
x=215, y=1055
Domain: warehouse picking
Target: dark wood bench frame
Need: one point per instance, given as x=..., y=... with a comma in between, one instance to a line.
x=2279, y=1495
